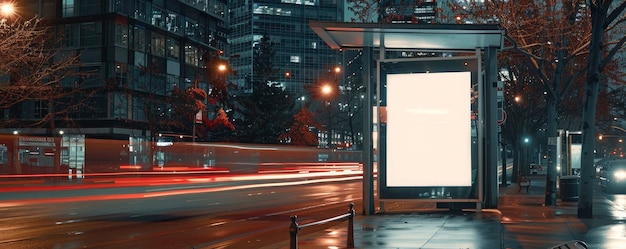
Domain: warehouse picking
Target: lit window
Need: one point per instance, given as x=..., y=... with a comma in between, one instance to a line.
x=158, y=45
x=68, y=8
x=121, y=35
x=294, y=59
x=140, y=38
x=191, y=55
x=172, y=49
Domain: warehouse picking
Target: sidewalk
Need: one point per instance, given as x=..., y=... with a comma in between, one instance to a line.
x=521, y=221
x=527, y=221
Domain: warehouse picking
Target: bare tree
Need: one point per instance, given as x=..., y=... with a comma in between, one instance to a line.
x=607, y=17
x=556, y=52
x=363, y=10
x=34, y=68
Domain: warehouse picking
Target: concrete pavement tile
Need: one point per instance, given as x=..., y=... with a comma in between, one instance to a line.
x=607, y=237
x=537, y=234
x=521, y=221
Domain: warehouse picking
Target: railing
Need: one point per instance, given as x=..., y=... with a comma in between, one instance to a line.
x=574, y=244
x=294, y=227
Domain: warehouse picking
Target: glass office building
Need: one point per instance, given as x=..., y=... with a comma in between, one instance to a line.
x=301, y=57
x=418, y=12
x=134, y=50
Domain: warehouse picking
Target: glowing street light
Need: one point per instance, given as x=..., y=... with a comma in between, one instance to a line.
x=327, y=90
x=7, y=9
x=337, y=69
x=221, y=67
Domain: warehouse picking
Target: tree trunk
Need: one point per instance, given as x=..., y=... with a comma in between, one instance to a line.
x=550, y=198
x=56, y=167
x=15, y=156
x=516, y=161
x=587, y=172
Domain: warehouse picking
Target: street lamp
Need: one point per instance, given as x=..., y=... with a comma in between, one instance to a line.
x=221, y=67
x=217, y=70
x=525, y=162
x=7, y=9
x=337, y=69
x=327, y=92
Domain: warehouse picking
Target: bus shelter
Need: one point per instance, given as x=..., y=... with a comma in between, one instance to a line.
x=436, y=116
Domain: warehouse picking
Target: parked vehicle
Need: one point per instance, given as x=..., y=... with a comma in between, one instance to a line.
x=599, y=164
x=536, y=169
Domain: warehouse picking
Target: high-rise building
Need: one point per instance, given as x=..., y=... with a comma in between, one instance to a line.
x=400, y=11
x=136, y=51
x=301, y=57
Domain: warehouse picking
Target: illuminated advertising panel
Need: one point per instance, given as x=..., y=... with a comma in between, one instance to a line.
x=427, y=142
x=428, y=114
x=575, y=152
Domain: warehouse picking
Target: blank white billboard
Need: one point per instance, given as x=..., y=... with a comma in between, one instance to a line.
x=428, y=129
x=576, y=155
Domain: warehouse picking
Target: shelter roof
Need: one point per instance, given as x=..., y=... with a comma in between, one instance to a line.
x=343, y=35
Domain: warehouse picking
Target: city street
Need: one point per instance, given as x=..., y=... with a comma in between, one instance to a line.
x=253, y=211
x=211, y=212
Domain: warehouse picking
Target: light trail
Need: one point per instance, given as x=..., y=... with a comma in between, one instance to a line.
x=249, y=186
x=346, y=176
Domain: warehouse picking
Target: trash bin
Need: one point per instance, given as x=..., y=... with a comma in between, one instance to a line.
x=569, y=187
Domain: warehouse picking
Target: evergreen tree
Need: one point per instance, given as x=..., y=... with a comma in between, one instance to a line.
x=267, y=110
x=263, y=67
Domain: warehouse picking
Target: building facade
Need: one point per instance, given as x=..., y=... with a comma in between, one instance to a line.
x=301, y=57
x=135, y=51
x=400, y=11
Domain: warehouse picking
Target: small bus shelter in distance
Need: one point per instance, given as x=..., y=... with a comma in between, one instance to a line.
x=438, y=141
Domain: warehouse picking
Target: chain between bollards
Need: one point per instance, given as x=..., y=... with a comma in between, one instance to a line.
x=294, y=227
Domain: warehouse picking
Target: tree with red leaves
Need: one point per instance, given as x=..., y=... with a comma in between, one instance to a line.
x=300, y=132
x=221, y=120
x=218, y=98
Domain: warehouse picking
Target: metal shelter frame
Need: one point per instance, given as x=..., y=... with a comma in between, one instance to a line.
x=483, y=39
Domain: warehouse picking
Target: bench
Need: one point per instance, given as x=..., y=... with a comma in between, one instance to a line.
x=524, y=181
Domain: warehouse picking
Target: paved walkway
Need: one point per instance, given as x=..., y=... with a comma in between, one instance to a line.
x=521, y=221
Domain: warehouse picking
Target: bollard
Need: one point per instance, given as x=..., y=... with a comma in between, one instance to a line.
x=294, y=227
x=350, y=242
x=293, y=232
